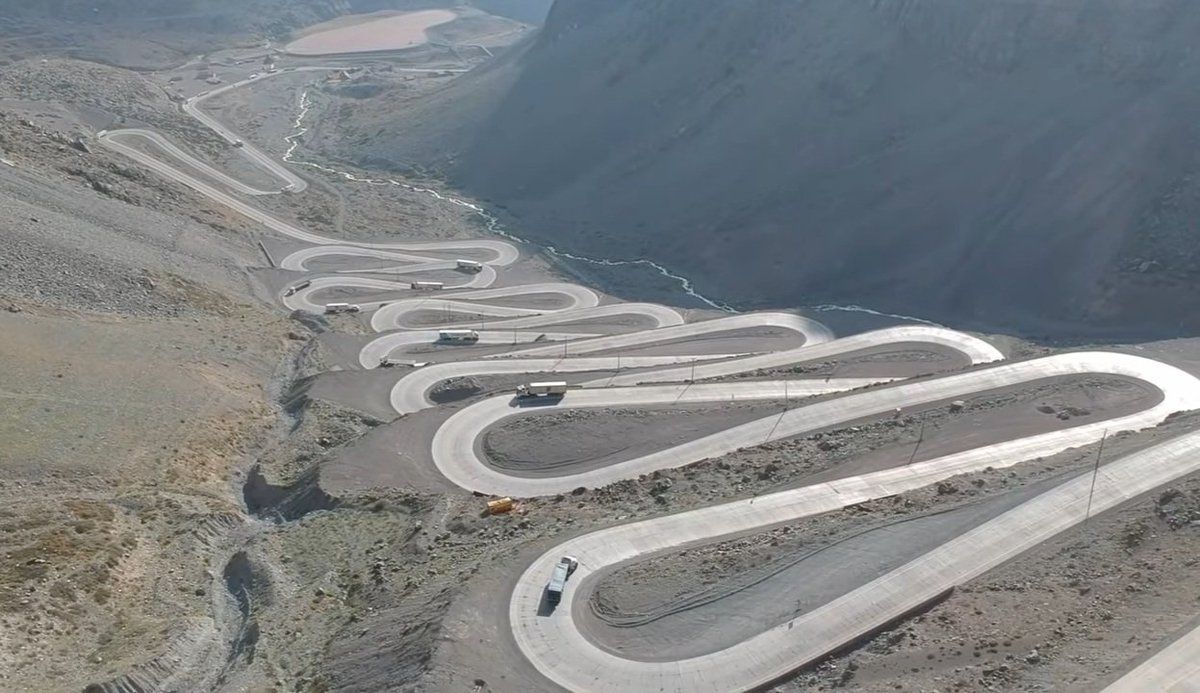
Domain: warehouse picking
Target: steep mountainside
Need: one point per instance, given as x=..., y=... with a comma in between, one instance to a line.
x=1024, y=165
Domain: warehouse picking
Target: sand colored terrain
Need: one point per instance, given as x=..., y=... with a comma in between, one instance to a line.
x=387, y=32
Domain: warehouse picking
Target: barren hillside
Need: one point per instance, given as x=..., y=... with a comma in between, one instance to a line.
x=153, y=34
x=1020, y=166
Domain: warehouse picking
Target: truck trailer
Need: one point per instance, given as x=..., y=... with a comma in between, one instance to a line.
x=546, y=389
x=458, y=336
x=342, y=308
x=426, y=286
x=302, y=285
x=469, y=265
x=558, y=580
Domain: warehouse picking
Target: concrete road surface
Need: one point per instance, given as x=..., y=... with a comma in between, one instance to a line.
x=553, y=643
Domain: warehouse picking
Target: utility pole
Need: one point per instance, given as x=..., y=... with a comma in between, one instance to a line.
x=920, y=439
x=1095, y=473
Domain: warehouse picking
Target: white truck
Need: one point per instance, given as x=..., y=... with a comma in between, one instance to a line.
x=547, y=389
x=342, y=308
x=458, y=336
x=426, y=286
x=558, y=580
x=469, y=265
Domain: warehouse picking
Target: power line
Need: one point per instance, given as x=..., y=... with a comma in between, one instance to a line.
x=1095, y=473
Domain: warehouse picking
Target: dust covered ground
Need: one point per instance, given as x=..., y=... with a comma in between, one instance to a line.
x=137, y=367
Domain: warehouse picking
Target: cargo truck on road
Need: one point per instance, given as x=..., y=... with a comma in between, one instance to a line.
x=426, y=286
x=302, y=285
x=469, y=265
x=388, y=362
x=547, y=389
x=558, y=580
x=342, y=308
x=458, y=336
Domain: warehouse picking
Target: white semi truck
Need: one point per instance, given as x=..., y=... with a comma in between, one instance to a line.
x=342, y=308
x=469, y=265
x=458, y=336
x=547, y=389
x=426, y=286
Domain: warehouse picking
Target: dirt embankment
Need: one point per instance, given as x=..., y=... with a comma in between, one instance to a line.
x=584, y=439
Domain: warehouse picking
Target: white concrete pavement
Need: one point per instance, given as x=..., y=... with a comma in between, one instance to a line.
x=301, y=300
x=1175, y=669
x=563, y=654
x=392, y=316
x=385, y=345
x=812, y=331
x=456, y=453
x=411, y=392
x=502, y=253
x=975, y=350
x=186, y=158
x=298, y=261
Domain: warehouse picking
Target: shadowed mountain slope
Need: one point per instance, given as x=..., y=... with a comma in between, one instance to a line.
x=1026, y=165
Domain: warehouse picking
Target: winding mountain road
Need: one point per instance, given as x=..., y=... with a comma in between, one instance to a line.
x=563, y=653
x=509, y=320
x=456, y=447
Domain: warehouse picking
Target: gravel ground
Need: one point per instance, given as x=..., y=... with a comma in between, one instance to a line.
x=894, y=360
x=582, y=439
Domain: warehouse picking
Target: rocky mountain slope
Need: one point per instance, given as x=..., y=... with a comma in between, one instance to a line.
x=1026, y=165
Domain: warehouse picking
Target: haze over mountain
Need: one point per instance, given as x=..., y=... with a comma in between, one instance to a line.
x=1026, y=165
x=155, y=34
